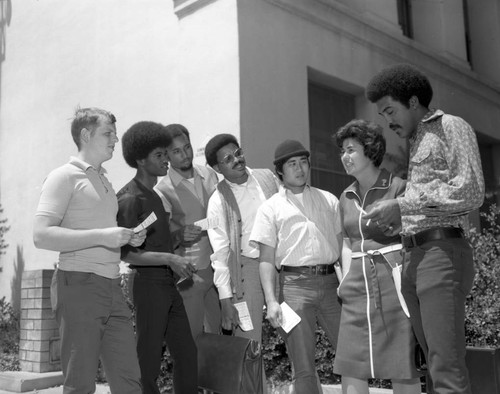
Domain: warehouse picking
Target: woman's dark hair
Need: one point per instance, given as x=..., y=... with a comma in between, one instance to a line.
x=368, y=134
x=401, y=82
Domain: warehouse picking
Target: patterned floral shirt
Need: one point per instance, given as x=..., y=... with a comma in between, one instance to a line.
x=445, y=179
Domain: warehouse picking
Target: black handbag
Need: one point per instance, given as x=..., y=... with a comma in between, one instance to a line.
x=229, y=364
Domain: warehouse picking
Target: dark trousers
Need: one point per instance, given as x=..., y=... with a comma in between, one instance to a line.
x=160, y=315
x=94, y=321
x=435, y=283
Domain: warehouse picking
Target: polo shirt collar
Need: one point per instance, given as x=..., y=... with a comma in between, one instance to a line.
x=84, y=166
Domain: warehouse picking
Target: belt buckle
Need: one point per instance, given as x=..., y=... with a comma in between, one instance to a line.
x=320, y=269
x=409, y=241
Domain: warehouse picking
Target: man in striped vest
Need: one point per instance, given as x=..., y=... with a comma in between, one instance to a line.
x=235, y=261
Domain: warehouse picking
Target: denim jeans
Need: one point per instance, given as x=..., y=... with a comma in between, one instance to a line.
x=435, y=283
x=314, y=299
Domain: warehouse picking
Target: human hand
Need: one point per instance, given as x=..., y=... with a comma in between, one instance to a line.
x=230, y=317
x=386, y=215
x=138, y=238
x=181, y=266
x=189, y=234
x=115, y=237
x=274, y=314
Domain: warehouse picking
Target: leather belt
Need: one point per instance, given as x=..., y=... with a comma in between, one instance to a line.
x=432, y=234
x=320, y=269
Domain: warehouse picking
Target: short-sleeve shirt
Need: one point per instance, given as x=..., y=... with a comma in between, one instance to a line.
x=302, y=234
x=82, y=198
x=136, y=202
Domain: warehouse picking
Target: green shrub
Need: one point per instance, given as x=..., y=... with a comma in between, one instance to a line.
x=482, y=309
x=9, y=337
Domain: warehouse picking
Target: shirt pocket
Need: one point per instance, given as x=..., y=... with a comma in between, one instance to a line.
x=421, y=156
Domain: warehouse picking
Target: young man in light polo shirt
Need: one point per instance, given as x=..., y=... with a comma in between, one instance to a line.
x=76, y=216
x=299, y=233
x=185, y=191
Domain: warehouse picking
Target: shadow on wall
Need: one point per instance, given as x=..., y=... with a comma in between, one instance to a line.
x=15, y=283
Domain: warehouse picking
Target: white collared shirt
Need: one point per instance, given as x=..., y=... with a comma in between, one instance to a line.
x=303, y=233
x=249, y=196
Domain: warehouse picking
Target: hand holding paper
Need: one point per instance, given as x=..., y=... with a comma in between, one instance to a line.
x=290, y=318
x=146, y=223
x=207, y=223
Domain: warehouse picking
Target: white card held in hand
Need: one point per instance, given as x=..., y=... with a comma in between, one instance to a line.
x=207, y=223
x=146, y=222
x=244, y=315
x=290, y=318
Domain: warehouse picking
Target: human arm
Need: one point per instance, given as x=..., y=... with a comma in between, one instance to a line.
x=180, y=265
x=48, y=234
x=267, y=272
x=219, y=239
x=446, y=177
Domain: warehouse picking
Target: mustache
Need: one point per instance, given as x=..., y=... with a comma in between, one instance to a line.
x=394, y=126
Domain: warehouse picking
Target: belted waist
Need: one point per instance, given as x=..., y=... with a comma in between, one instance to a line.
x=320, y=269
x=432, y=234
x=384, y=250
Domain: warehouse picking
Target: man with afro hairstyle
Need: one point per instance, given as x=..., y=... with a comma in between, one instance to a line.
x=445, y=183
x=160, y=312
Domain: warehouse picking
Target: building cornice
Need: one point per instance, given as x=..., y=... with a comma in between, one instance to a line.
x=369, y=32
x=183, y=8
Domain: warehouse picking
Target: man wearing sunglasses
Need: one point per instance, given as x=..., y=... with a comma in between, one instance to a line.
x=235, y=261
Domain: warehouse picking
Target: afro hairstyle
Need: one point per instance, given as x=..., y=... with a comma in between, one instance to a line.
x=141, y=139
x=401, y=82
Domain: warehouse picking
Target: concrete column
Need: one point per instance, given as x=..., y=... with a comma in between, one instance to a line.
x=39, y=349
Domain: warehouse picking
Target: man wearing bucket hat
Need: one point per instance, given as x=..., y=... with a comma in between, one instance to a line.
x=299, y=234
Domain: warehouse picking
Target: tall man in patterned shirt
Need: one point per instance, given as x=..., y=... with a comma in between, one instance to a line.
x=298, y=232
x=445, y=183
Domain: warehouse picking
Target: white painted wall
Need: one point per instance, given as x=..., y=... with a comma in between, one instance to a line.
x=114, y=54
x=236, y=66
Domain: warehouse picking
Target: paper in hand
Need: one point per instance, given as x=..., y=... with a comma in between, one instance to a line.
x=207, y=223
x=290, y=318
x=244, y=315
x=146, y=223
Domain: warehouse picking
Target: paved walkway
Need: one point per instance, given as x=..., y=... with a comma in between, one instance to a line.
x=29, y=382
x=104, y=389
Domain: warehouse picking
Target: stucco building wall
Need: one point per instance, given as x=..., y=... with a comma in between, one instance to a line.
x=237, y=66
